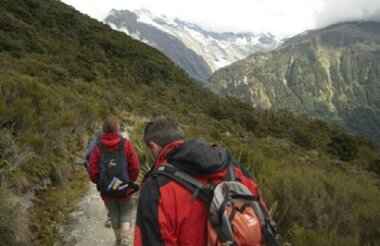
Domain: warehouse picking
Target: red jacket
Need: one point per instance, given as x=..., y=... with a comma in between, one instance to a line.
x=167, y=214
x=111, y=141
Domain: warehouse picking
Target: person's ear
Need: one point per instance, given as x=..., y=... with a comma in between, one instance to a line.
x=155, y=148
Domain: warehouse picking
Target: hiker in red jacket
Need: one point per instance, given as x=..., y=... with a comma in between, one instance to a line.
x=168, y=213
x=127, y=162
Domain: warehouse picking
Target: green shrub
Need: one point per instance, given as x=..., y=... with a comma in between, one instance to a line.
x=374, y=166
x=344, y=147
x=323, y=201
x=301, y=236
x=302, y=140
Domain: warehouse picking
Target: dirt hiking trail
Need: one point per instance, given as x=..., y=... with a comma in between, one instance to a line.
x=86, y=222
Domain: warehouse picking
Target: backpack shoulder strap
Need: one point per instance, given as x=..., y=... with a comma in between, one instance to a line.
x=100, y=146
x=122, y=143
x=199, y=190
x=231, y=173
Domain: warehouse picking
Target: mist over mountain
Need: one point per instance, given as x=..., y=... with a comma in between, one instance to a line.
x=332, y=12
x=198, y=51
x=331, y=73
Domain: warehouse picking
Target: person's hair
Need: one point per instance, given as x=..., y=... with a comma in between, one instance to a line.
x=162, y=131
x=111, y=124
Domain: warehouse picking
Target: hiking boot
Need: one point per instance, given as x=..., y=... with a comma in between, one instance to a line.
x=124, y=242
x=117, y=242
x=124, y=239
x=108, y=222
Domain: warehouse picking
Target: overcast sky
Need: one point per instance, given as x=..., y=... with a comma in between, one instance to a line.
x=280, y=17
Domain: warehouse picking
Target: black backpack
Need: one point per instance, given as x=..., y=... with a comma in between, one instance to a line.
x=113, y=171
x=232, y=210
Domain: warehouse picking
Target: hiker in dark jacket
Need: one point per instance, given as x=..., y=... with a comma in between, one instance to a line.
x=167, y=212
x=118, y=207
x=90, y=148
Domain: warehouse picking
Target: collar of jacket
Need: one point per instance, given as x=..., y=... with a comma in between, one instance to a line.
x=161, y=159
x=110, y=140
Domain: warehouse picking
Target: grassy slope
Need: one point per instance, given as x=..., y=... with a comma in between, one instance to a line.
x=61, y=72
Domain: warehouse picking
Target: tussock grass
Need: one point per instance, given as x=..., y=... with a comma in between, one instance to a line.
x=14, y=225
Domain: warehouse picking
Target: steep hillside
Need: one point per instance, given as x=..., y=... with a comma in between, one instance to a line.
x=332, y=73
x=217, y=49
x=61, y=72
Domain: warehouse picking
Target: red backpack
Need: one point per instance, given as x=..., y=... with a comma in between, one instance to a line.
x=235, y=216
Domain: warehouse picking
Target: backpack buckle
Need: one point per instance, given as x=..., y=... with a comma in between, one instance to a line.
x=167, y=168
x=273, y=226
x=228, y=243
x=161, y=168
x=209, y=187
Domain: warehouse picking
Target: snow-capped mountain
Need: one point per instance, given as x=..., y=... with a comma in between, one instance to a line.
x=217, y=49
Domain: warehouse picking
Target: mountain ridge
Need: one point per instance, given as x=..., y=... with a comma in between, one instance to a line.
x=216, y=49
x=330, y=73
x=127, y=21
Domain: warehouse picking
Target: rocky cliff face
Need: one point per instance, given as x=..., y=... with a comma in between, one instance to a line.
x=332, y=73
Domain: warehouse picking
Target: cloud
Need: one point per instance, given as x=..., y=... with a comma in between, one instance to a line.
x=280, y=17
x=276, y=16
x=347, y=10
